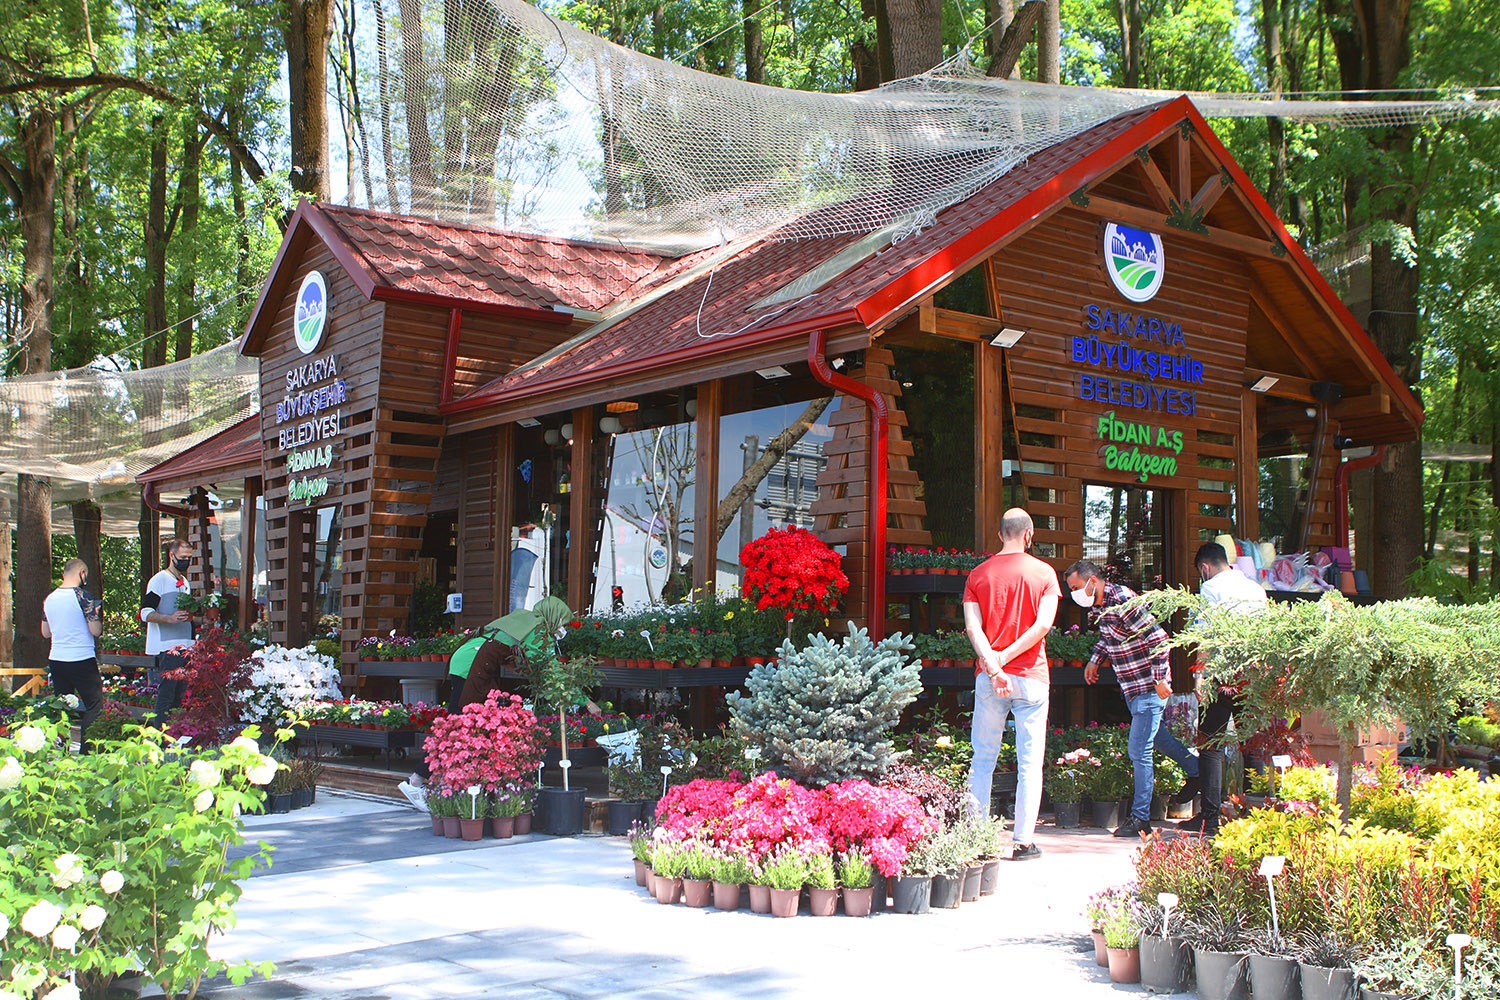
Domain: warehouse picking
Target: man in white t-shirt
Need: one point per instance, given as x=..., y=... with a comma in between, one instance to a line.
x=71, y=619
x=1225, y=587
x=169, y=632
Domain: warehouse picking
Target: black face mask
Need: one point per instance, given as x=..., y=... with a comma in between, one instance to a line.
x=182, y=564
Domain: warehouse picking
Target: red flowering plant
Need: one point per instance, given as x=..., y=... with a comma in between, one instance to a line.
x=217, y=677
x=492, y=743
x=699, y=810
x=886, y=822
x=791, y=569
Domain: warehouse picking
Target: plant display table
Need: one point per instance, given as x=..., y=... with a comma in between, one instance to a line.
x=380, y=739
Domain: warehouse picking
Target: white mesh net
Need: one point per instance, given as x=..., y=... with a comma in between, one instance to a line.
x=525, y=122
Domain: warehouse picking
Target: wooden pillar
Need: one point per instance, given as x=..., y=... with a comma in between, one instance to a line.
x=581, y=512
x=1247, y=470
x=7, y=613
x=989, y=451
x=504, y=507
x=706, y=485
x=248, y=541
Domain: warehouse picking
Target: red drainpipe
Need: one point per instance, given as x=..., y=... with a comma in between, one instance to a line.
x=879, y=438
x=149, y=497
x=1341, y=491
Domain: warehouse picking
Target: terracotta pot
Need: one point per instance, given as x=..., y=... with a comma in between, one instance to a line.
x=1124, y=965
x=650, y=883
x=472, y=829
x=437, y=826
x=641, y=873
x=697, y=892
x=523, y=824
x=705, y=662
x=450, y=827
x=760, y=898
x=726, y=896
x=823, y=902
x=857, y=902
x=1101, y=956
x=668, y=890
x=503, y=827
x=784, y=902
x=663, y=664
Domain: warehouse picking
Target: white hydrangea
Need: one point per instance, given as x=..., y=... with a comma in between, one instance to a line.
x=92, y=917
x=41, y=918
x=204, y=801
x=65, y=991
x=284, y=679
x=11, y=773
x=204, y=774
x=67, y=870
x=245, y=743
x=111, y=882
x=262, y=771
x=30, y=739
x=65, y=937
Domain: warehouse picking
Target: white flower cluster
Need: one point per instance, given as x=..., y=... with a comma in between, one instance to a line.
x=283, y=679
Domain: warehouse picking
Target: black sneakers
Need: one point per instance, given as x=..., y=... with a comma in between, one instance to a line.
x=1133, y=827
x=1189, y=789
x=1025, y=852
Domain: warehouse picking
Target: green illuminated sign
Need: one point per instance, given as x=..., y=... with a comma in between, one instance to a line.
x=1127, y=440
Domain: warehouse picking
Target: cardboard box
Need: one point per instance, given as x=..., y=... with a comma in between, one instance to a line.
x=1372, y=745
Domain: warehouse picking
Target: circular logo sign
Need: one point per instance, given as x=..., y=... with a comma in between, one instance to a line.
x=311, y=314
x=1135, y=261
x=658, y=557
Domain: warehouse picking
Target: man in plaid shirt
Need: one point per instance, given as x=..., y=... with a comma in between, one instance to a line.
x=1132, y=641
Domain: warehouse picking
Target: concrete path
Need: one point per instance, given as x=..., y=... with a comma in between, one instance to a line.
x=363, y=903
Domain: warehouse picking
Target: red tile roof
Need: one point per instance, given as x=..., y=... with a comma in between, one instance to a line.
x=490, y=266
x=235, y=449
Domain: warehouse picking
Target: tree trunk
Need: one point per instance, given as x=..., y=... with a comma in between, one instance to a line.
x=1275, y=128
x=866, y=60
x=1128, y=16
x=387, y=153
x=307, y=32
x=189, y=196
x=1348, y=741
x=755, y=48
x=87, y=528
x=1049, y=44
x=7, y=611
x=916, y=36
x=33, y=567
x=999, y=14
x=414, y=84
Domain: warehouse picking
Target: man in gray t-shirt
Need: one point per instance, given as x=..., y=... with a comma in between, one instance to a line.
x=167, y=628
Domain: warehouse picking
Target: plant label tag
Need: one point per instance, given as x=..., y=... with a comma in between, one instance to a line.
x=565, y=764
x=666, y=769
x=1282, y=761
x=1166, y=900
x=1272, y=865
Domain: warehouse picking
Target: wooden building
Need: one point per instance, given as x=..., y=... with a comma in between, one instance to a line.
x=1118, y=334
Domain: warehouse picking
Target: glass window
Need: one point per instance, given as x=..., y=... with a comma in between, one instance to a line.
x=328, y=561
x=541, y=488
x=224, y=547
x=1124, y=532
x=937, y=396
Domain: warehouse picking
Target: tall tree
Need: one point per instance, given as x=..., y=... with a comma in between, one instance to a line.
x=308, y=29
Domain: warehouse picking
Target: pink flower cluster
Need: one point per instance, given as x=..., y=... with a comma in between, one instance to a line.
x=767, y=813
x=493, y=743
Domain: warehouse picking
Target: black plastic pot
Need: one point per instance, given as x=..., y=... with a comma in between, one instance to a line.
x=947, y=889
x=973, y=879
x=622, y=816
x=881, y=885
x=1166, y=964
x=281, y=802
x=1322, y=983
x=1274, y=977
x=563, y=811
x=301, y=798
x=989, y=878
x=1222, y=975
x=911, y=894
x=1065, y=814
x=1106, y=814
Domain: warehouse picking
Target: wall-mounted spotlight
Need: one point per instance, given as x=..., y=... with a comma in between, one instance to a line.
x=1008, y=337
x=1264, y=385
x=552, y=436
x=567, y=431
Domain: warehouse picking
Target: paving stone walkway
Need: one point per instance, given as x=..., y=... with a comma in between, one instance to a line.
x=363, y=903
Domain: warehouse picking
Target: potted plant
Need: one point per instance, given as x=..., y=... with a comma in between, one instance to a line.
x=912, y=890
x=1221, y=949
x=445, y=804
x=473, y=812
x=822, y=885
x=1404, y=971
x=1326, y=967
x=504, y=807
x=634, y=787
x=525, y=797
x=280, y=789
x=1111, y=781
x=785, y=872
x=1122, y=939
x=856, y=874
x=760, y=889
x=1099, y=908
x=669, y=864
x=994, y=844
x=697, y=877
x=563, y=684
x=729, y=870
x=640, y=853
x=1273, y=967
x=948, y=864
x=1066, y=778
x=1166, y=959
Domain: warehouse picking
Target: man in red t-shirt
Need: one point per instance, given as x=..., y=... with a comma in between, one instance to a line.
x=1010, y=603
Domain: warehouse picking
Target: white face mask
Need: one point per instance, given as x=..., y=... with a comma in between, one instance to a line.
x=1082, y=597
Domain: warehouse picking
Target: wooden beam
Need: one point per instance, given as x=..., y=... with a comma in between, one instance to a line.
x=1286, y=387
x=1247, y=469
x=1375, y=403
x=989, y=407
x=1184, y=171
x=1161, y=191
x=248, y=568
x=1118, y=211
x=706, y=485
x=1287, y=331
x=505, y=461
x=580, y=507
x=1210, y=192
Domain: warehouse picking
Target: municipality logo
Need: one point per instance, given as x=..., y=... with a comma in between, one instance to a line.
x=1134, y=260
x=311, y=314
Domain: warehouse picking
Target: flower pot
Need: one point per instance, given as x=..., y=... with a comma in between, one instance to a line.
x=564, y=811
x=281, y=802
x=301, y=798
x=622, y=816
x=880, y=893
x=1101, y=954
x=1274, y=977
x=1158, y=807
x=1366, y=993
x=760, y=898
x=784, y=902
x=947, y=890
x=437, y=826
x=989, y=877
x=1065, y=815
x=822, y=902
x=973, y=876
x=1124, y=965
x=1166, y=964
x=1221, y=975
x=472, y=829
x=1182, y=810
x=668, y=890
x=503, y=827
x=697, y=892
x=523, y=824
x=1320, y=982
x=641, y=872
x=651, y=883
x=1106, y=814
x=726, y=896
x=450, y=827
x=911, y=894
x=857, y=901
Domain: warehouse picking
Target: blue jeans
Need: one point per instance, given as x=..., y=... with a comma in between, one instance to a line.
x=1028, y=703
x=1148, y=735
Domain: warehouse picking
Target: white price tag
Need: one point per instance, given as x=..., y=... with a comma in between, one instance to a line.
x=665, y=769
x=1166, y=900
x=1272, y=865
x=1281, y=760
x=565, y=764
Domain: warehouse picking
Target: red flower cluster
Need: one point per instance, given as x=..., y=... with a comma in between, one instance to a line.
x=768, y=813
x=217, y=676
x=492, y=743
x=793, y=570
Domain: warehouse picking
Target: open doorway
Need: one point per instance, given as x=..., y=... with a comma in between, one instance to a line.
x=1125, y=533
